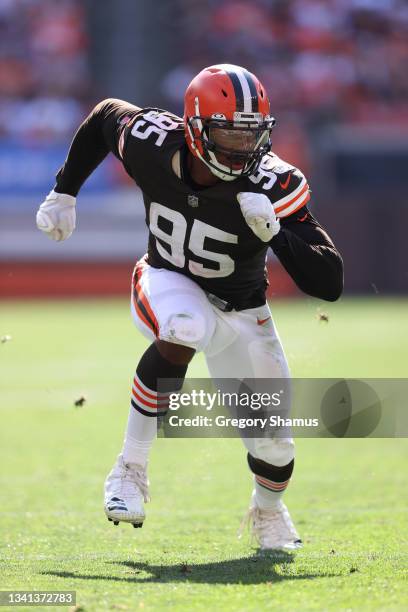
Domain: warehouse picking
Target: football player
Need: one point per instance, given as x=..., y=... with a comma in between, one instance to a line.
x=216, y=199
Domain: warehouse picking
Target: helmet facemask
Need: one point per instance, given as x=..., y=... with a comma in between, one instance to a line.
x=231, y=149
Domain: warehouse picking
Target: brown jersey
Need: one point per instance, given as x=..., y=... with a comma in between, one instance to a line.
x=201, y=232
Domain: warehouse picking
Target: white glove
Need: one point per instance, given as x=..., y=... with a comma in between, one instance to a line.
x=259, y=214
x=56, y=216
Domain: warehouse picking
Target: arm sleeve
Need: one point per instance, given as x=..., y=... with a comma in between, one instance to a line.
x=308, y=254
x=98, y=135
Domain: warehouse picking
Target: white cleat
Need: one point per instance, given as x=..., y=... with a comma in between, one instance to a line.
x=273, y=529
x=126, y=488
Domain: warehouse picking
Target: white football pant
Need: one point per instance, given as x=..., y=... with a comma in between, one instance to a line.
x=238, y=344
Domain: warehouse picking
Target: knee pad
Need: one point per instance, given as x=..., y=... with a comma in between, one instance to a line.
x=276, y=451
x=277, y=474
x=185, y=328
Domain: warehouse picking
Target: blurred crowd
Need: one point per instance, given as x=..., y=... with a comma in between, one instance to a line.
x=321, y=60
x=43, y=68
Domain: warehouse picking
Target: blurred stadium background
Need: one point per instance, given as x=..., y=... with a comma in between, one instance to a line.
x=336, y=71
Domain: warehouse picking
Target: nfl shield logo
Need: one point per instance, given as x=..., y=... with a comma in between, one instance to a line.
x=192, y=201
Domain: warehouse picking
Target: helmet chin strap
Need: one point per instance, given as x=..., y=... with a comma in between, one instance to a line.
x=220, y=174
x=224, y=176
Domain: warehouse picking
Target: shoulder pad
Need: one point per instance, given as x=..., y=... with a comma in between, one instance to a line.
x=151, y=131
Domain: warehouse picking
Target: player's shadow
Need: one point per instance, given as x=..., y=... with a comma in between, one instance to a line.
x=259, y=568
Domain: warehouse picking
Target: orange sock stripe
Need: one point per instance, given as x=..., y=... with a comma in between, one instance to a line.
x=269, y=484
x=276, y=485
x=140, y=399
x=148, y=396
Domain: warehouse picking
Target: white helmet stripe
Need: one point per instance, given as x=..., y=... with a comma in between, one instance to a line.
x=241, y=87
x=246, y=91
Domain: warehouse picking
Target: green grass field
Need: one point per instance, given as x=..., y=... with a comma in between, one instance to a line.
x=348, y=498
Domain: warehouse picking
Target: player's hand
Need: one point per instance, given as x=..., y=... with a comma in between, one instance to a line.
x=56, y=216
x=259, y=214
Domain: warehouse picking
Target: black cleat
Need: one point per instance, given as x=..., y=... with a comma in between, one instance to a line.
x=109, y=519
x=136, y=525
x=116, y=522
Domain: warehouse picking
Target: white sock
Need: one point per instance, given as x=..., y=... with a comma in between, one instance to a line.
x=265, y=497
x=140, y=433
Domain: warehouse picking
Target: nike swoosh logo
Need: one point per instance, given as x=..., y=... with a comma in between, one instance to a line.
x=285, y=185
x=262, y=321
x=303, y=218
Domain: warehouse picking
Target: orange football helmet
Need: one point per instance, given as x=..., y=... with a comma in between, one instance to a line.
x=226, y=120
